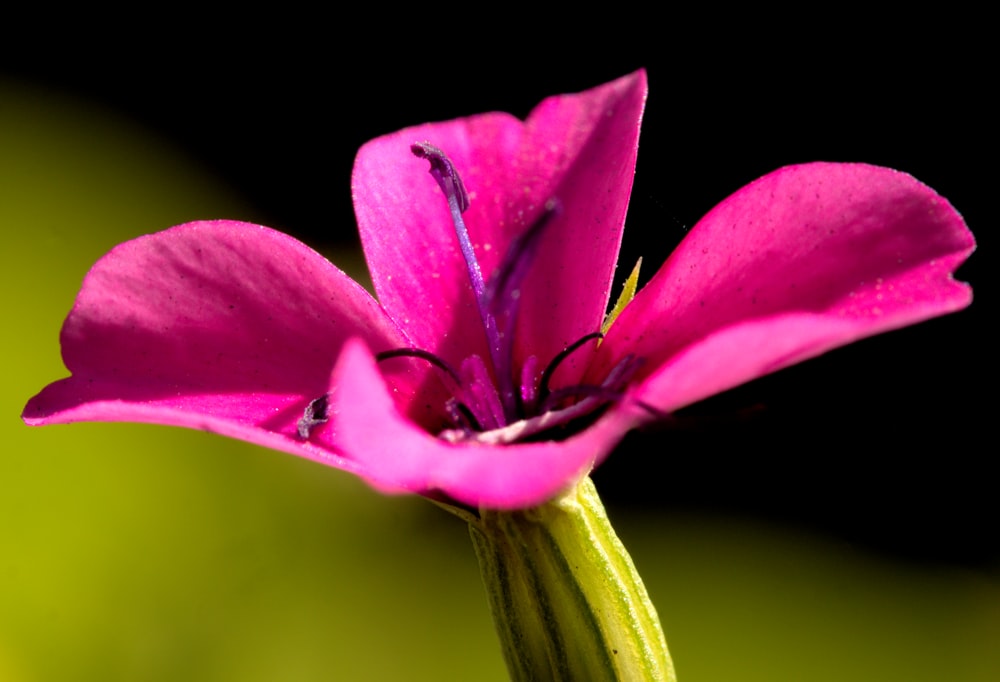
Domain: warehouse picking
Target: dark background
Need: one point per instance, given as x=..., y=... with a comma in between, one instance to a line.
x=883, y=444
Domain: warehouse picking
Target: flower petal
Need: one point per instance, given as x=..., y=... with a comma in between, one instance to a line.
x=219, y=325
x=741, y=352
x=395, y=455
x=597, y=136
x=580, y=149
x=803, y=260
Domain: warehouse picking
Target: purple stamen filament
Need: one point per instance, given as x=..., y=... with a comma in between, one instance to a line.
x=503, y=301
x=543, y=384
x=423, y=355
x=450, y=182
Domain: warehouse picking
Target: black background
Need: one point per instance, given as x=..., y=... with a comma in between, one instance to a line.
x=883, y=444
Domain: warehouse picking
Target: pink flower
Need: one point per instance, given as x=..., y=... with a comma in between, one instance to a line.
x=244, y=331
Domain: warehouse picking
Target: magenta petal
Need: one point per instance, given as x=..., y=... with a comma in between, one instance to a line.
x=407, y=233
x=803, y=260
x=218, y=325
x=742, y=352
x=398, y=456
x=268, y=420
x=580, y=149
x=587, y=144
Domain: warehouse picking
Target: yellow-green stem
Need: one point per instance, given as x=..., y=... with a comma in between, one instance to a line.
x=567, y=601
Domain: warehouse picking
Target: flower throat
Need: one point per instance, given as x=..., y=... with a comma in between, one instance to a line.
x=498, y=406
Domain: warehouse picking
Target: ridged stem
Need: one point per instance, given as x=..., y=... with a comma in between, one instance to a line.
x=567, y=601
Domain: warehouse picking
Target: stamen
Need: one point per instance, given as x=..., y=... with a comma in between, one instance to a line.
x=609, y=389
x=314, y=415
x=461, y=416
x=480, y=394
x=543, y=385
x=499, y=300
x=503, y=301
x=443, y=171
x=503, y=286
x=423, y=355
x=623, y=371
x=493, y=403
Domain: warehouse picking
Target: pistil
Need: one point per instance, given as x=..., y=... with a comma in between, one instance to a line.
x=444, y=173
x=499, y=300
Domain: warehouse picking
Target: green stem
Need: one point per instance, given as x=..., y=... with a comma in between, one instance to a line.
x=567, y=601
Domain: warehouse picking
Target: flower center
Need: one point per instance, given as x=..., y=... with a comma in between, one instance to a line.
x=491, y=401
x=499, y=406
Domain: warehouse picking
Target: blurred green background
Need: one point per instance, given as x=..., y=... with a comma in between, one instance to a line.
x=147, y=553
